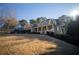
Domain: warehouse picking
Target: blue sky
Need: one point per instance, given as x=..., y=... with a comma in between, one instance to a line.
x=33, y=10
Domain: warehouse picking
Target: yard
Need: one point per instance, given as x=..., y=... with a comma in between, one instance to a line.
x=24, y=45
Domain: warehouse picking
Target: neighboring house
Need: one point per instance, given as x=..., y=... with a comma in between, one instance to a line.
x=17, y=29
x=21, y=29
x=2, y=22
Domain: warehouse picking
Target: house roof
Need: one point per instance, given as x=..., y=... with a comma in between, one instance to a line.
x=43, y=23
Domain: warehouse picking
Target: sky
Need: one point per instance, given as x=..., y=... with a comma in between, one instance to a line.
x=34, y=10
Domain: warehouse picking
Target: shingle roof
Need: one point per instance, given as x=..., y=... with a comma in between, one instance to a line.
x=43, y=23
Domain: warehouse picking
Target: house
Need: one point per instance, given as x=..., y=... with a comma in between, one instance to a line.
x=21, y=29
x=17, y=29
x=57, y=26
x=43, y=26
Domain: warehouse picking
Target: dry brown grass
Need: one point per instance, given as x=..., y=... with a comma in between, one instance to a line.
x=21, y=45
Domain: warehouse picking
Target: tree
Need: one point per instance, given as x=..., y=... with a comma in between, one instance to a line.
x=9, y=23
x=7, y=19
x=73, y=27
x=40, y=19
x=23, y=22
x=32, y=21
x=27, y=26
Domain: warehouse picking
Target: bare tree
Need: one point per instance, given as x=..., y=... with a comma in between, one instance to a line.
x=9, y=23
x=8, y=18
x=27, y=26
